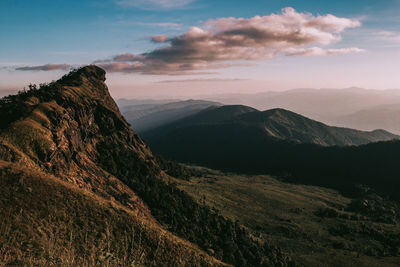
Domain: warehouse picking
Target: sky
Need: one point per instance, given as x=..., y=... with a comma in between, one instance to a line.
x=186, y=48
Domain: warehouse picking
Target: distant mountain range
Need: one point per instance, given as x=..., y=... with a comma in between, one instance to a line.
x=124, y=102
x=385, y=116
x=144, y=117
x=280, y=142
x=353, y=107
x=275, y=123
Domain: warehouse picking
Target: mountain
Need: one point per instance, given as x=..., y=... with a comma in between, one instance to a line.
x=79, y=187
x=278, y=142
x=275, y=123
x=145, y=117
x=382, y=116
x=331, y=106
x=123, y=102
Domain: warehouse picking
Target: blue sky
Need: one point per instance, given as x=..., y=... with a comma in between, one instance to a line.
x=34, y=33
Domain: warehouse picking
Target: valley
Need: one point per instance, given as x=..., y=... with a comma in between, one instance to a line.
x=311, y=223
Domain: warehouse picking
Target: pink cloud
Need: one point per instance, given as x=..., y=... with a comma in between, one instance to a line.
x=221, y=42
x=332, y=23
x=159, y=38
x=318, y=51
x=227, y=42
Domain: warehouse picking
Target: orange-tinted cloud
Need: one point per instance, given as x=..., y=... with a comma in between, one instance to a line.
x=317, y=51
x=159, y=38
x=225, y=41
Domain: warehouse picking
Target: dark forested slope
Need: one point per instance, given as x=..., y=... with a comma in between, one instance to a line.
x=238, y=138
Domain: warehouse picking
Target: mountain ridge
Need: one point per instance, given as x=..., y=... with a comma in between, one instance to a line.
x=330, y=106
x=278, y=123
x=144, y=117
x=242, y=145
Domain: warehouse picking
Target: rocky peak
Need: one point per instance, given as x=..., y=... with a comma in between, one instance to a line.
x=92, y=71
x=90, y=82
x=73, y=129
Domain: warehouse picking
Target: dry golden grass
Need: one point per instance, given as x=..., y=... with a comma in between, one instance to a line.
x=48, y=222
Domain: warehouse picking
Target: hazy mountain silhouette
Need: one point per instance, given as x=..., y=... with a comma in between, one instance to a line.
x=242, y=139
x=124, y=102
x=350, y=107
x=382, y=116
x=276, y=123
x=145, y=117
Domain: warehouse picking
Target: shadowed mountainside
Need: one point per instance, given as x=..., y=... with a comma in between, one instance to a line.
x=275, y=123
x=232, y=143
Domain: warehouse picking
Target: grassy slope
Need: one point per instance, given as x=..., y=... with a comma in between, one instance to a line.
x=47, y=222
x=284, y=215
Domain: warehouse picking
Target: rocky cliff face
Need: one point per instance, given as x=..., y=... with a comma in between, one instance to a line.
x=68, y=128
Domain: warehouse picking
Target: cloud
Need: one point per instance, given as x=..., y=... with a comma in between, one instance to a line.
x=154, y=4
x=318, y=51
x=47, y=67
x=203, y=80
x=159, y=38
x=170, y=25
x=389, y=36
x=226, y=42
x=332, y=23
x=165, y=69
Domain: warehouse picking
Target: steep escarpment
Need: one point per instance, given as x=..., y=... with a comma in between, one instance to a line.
x=59, y=127
x=71, y=129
